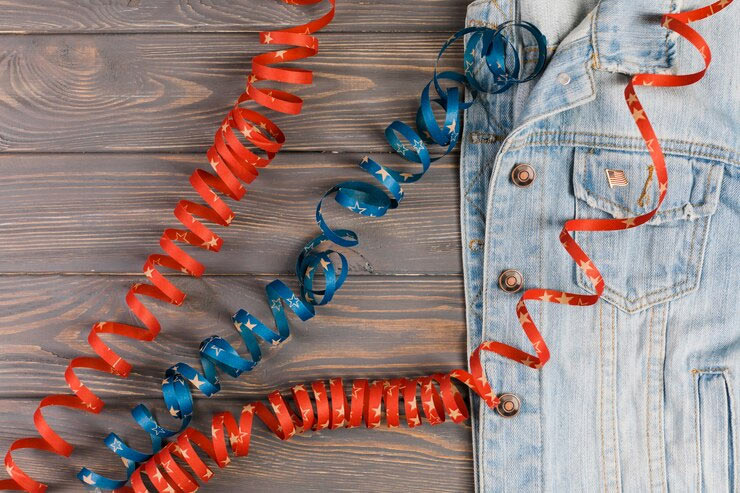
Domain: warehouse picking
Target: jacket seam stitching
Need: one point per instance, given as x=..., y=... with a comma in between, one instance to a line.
x=672, y=295
x=648, y=440
x=637, y=146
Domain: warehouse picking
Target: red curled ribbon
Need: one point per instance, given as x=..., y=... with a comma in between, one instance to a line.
x=367, y=400
x=327, y=410
x=234, y=162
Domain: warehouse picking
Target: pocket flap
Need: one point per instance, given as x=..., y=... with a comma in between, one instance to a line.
x=693, y=184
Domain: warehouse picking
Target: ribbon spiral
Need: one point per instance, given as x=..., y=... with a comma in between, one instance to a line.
x=501, y=58
x=233, y=162
x=327, y=410
x=370, y=200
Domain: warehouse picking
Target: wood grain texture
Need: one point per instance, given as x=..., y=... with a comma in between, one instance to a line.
x=434, y=459
x=97, y=93
x=106, y=107
x=106, y=213
x=115, y=16
x=376, y=327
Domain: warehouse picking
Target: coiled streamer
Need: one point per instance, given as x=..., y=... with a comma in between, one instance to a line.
x=168, y=476
x=501, y=58
x=440, y=398
x=233, y=162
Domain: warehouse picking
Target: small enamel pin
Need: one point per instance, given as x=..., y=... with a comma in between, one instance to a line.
x=616, y=178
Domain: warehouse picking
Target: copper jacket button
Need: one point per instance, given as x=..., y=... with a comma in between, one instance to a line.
x=508, y=405
x=522, y=175
x=510, y=280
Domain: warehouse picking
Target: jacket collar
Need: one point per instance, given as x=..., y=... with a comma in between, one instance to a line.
x=627, y=36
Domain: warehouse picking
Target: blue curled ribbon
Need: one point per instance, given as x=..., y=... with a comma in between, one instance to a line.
x=362, y=198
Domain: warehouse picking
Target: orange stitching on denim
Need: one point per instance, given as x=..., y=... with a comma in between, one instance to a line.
x=661, y=404
x=601, y=394
x=697, y=375
x=646, y=303
x=643, y=196
x=617, y=475
x=648, y=370
x=530, y=140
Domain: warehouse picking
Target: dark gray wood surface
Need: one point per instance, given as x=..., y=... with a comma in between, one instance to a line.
x=106, y=107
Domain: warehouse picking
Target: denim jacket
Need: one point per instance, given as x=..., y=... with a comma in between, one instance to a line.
x=641, y=391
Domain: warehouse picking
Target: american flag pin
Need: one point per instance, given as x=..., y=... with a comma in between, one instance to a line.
x=616, y=178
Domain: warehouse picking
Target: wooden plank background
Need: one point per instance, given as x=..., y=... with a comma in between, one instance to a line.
x=106, y=107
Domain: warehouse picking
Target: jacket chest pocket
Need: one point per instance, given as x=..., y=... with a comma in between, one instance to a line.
x=662, y=259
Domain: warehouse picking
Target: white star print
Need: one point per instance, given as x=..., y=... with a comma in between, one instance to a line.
x=383, y=173
x=267, y=39
x=649, y=144
x=564, y=299
x=116, y=445
x=586, y=265
x=212, y=243
x=197, y=381
x=294, y=302
x=356, y=208
x=157, y=430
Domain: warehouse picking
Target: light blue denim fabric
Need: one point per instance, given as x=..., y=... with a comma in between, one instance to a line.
x=641, y=393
